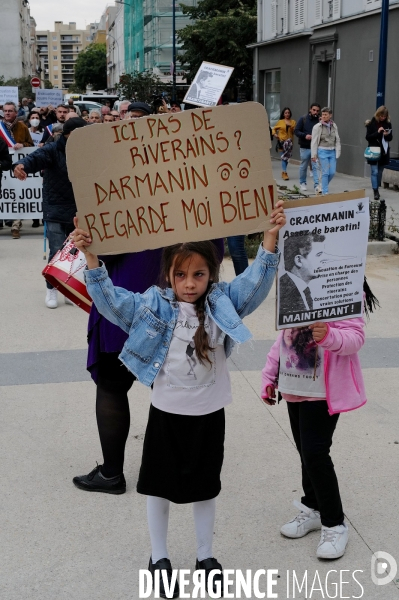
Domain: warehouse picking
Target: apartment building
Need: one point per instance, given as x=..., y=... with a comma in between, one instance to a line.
x=58, y=51
x=16, y=56
x=326, y=51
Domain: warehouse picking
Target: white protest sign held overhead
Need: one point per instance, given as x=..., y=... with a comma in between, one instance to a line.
x=323, y=254
x=8, y=93
x=46, y=97
x=208, y=85
x=163, y=179
x=21, y=199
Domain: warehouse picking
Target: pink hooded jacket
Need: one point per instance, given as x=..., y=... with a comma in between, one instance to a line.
x=342, y=372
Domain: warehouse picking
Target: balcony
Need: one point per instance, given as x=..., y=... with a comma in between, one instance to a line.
x=70, y=59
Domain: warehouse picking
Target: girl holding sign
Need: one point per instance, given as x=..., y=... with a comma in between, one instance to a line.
x=317, y=371
x=180, y=335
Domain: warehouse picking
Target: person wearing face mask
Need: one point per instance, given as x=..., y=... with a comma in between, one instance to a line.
x=59, y=207
x=34, y=128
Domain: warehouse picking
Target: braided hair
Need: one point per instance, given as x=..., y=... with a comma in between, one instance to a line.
x=174, y=256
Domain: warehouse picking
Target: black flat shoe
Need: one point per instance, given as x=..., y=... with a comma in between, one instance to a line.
x=36, y=223
x=208, y=565
x=93, y=482
x=163, y=564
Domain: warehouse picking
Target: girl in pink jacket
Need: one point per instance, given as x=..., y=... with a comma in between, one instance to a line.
x=317, y=371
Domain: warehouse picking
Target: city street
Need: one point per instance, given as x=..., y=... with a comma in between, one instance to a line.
x=61, y=543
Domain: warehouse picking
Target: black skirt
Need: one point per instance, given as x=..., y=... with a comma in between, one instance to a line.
x=182, y=456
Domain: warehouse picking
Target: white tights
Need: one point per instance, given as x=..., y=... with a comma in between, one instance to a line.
x=158, y=518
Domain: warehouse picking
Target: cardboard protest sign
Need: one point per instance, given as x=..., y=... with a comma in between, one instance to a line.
x=21, y=199
x=46, y=97
x=208, y=85
x=163, y=179
x=8, y=93
x=323, y=247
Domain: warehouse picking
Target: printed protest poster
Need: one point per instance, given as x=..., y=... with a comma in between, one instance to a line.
x=46, y=97
x=8, y=93
x=162, y=179
x=21, y=199
x=208, y=85
x=323, y=253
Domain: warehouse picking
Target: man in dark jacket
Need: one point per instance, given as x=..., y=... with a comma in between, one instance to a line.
x=5, y=163
x=303, y=131
x=59, y=206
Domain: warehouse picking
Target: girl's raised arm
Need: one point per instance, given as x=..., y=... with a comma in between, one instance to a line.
x=277, y=217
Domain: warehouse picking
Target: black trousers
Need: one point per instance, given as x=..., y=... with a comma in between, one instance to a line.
x=313, y=429
x=112, y=411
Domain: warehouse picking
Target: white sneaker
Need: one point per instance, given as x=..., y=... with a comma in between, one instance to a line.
x=68, y=301
x=51, y=298
x=307, y=520
x=317, y=189
x=303, y=187
x=333, y=541
x=311, y=173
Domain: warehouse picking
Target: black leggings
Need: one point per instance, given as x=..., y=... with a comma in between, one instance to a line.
x=313, y=429
x=112, y=411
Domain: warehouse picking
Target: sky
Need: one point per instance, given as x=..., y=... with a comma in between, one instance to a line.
x=83, y=12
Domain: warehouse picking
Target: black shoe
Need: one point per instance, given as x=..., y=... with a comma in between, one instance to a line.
x=208, y=565
x=163, y=564
x=376, y=194
x=93, y=482
x=1, y=224
x=8, y=223
x=36, y=223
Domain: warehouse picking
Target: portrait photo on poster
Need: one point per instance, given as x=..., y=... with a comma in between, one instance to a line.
x=323, y=253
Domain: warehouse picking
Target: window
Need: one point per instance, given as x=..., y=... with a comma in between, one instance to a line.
x=318, y=16
x=299, y=14
x=274, y=17
x=55, y=57
x=54, y=38
x=55, y=68
x=272, y=95
x=55, y=76
x=54, y=47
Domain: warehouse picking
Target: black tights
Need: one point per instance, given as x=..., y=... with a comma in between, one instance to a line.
x=112, y=411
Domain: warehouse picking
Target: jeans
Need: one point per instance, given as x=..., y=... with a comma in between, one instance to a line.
x=313, y=429
x=284, y=165
x=238, y=253
x=305, y=154
x=56, y=235
x=376, y=175
x=328, y=163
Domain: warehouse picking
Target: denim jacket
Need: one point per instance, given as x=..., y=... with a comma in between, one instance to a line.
x=150, y=318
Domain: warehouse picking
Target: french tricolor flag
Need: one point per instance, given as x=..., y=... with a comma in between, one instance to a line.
x=6, y=135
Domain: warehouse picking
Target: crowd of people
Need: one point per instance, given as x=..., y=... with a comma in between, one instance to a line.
x=320, y=145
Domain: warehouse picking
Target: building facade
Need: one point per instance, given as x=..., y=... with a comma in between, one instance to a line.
x=326, y=51
x=16, y=56
x=149, y=36
x=58, y=51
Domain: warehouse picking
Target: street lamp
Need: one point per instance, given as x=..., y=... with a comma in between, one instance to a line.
x=382, y=58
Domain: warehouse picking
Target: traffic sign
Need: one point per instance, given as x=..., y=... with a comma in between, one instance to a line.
x=35, y=82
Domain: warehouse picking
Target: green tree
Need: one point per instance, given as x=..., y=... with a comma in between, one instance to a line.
x=141, y=86
x=48, y=85
x=220, y=34
x=91, y=67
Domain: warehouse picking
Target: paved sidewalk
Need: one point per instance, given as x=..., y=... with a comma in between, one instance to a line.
x=340, y=183
x=59, y=543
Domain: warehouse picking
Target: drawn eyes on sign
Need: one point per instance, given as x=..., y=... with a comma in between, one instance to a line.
x=226, y=169
x=243, y=167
